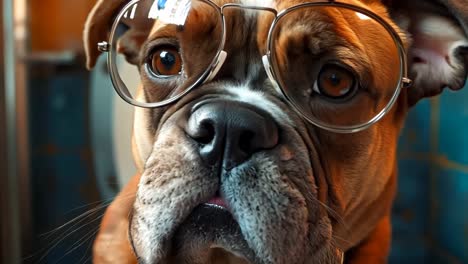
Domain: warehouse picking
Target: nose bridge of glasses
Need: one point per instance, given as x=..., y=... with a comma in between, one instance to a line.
x=222, y=56
x=252, y=9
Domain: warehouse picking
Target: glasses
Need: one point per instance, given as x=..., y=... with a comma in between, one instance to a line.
x=340, y=66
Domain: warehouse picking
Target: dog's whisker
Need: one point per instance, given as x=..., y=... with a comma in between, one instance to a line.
x=335, y=237
x=87, y=250
x=70, y=226
x=79, y=243
x=333, y=243
x=73, y=226
x=334, y=214
x=98, y=203
x=85, y=215
x=57, y=241
x=75, y=221
x=87, y=259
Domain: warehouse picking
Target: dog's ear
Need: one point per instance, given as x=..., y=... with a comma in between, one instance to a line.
x=98, y=26
x=438, y=52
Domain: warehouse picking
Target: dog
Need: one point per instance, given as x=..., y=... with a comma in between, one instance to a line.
x=302, y=194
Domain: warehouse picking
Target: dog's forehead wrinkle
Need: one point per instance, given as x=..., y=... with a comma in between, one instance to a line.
x=244, y=60
x=246, y=65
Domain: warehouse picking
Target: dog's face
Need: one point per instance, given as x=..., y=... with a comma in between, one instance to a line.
x=231, y=173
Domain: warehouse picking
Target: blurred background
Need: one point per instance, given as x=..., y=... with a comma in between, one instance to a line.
x=65, y=148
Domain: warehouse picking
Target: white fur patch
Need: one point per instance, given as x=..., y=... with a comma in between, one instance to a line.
x=263, y=3
x=258, y=99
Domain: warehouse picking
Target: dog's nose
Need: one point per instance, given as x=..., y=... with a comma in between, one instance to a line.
x=229, y=133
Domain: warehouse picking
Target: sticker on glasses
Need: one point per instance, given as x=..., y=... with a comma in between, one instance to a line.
x=170, y=11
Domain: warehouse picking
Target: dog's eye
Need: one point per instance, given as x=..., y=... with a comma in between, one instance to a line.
x=335, y=82
x=165, y=61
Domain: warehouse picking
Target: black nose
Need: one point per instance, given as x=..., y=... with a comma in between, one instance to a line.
x=229, y=133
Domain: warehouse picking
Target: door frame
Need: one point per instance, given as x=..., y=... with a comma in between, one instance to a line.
x=15, y=223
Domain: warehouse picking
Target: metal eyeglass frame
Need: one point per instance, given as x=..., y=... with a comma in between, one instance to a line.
x=267, y=59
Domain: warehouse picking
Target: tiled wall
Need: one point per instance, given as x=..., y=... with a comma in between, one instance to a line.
x=431, y=213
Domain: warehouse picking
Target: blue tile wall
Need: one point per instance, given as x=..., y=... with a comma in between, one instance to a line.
x=430, y=216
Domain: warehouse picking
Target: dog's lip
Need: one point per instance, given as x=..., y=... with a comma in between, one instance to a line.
x=218, y=201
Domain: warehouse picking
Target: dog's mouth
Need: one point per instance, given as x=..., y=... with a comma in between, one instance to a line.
x=218, y=201
x=210, y=234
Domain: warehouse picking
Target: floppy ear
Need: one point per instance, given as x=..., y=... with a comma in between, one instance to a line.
x=438, y=54
x=98, y=26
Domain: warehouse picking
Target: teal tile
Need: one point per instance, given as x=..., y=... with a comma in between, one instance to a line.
x=453, y=130
x=450, y=212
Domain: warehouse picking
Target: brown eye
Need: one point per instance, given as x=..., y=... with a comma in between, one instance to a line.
x=335, y=82
x=165, y=62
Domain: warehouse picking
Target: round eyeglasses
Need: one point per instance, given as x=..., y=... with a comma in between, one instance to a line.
x=340, y=66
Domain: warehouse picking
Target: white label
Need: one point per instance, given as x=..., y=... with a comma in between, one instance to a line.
x=171, y=11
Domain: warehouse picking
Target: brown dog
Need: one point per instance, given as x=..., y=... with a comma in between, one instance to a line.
x=301, y=194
